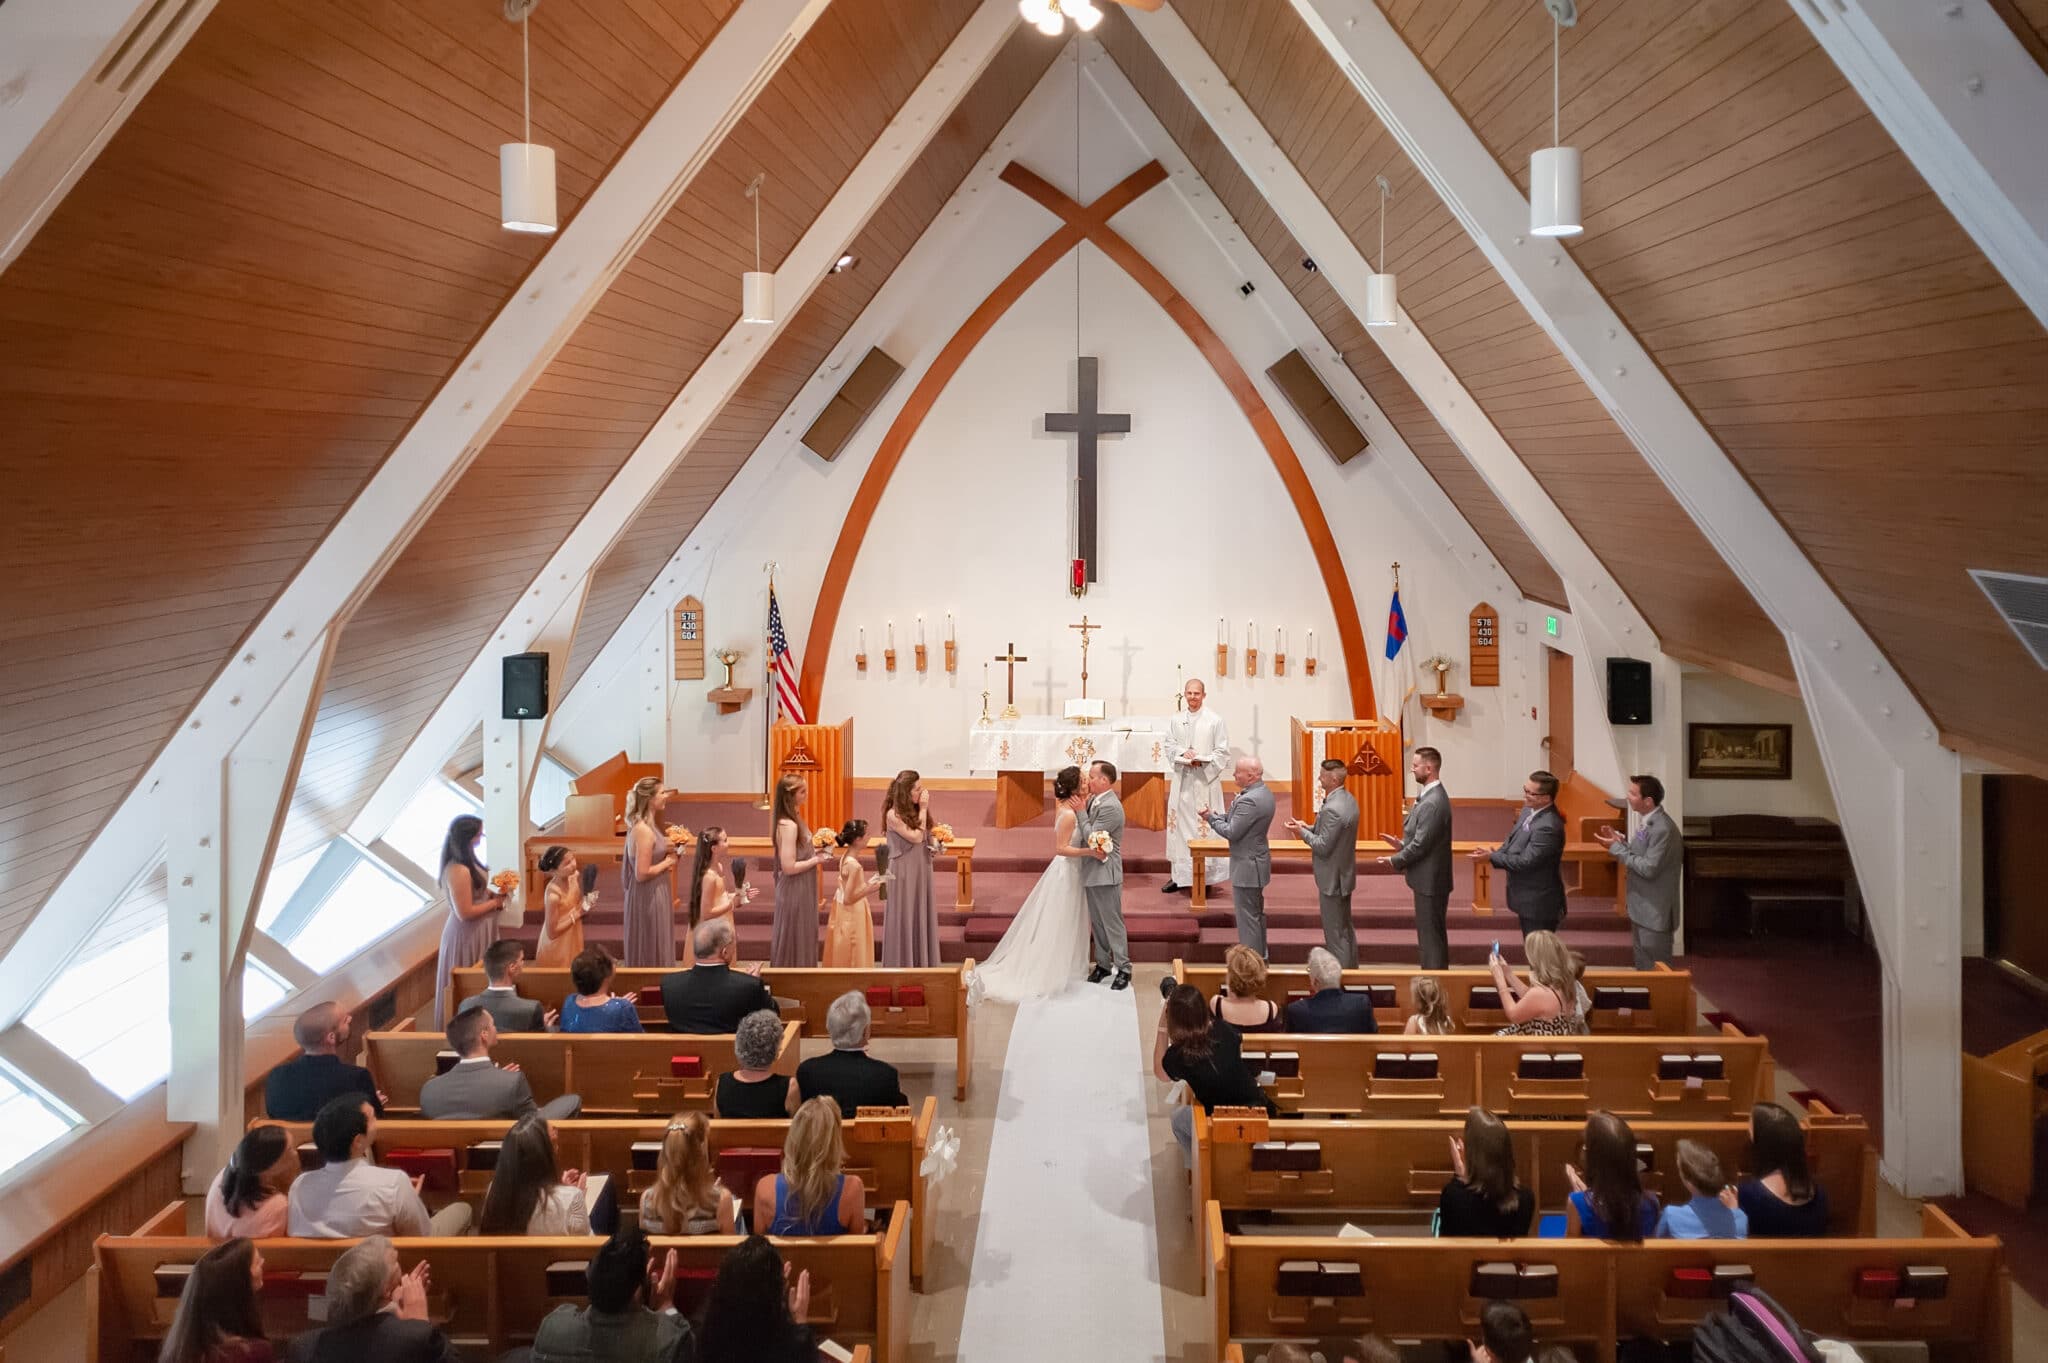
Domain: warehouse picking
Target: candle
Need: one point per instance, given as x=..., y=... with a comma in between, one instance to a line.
x=1280, y=639
x=1222, y=635
x=950, y=636
x=863, y=638
x=1251, y=634
x=1311, y=643
x=920, y=631
x=892, y=634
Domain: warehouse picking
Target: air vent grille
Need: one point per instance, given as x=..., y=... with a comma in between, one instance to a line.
x=2023, y=603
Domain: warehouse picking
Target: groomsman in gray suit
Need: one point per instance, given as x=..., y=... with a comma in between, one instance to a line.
x=1251, y=857
x=1102, y=878
x=1653, y=857
x=1422, y=853
x=1333, y=848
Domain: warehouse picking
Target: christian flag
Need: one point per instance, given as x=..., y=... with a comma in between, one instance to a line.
x=1397, y=626
x=783, y=664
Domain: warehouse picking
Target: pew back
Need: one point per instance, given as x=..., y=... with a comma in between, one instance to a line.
x=1667, y=1008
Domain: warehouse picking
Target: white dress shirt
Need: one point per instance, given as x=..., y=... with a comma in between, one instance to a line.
x=355, y=1198
x=561, y=1211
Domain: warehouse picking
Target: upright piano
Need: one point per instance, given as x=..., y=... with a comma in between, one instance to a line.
x=1736, y=865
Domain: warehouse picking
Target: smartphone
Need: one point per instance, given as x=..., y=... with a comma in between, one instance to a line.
x=1496, y=946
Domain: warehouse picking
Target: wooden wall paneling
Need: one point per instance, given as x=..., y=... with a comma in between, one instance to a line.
x=1833, y=326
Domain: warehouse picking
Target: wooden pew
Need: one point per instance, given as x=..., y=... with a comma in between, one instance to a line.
x=1589, y=857
x=491, y=1292
x=942, y=1015
x=1395, y=1170
x=1342, y=1076
x=1602, y=1293
x=1670, y=1009
x=885, y=1150
x=2003, y=1099
x=609, y=852
x=614, y=1073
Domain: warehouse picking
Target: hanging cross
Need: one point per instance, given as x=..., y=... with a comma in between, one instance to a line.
x=1085, y=629
x=1012, y=657
x=1087, y=423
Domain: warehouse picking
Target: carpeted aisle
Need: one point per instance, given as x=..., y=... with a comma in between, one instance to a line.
x=1065, y=1259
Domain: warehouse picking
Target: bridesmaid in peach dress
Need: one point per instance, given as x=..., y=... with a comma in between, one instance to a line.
x=564, y=906
x=850, y=932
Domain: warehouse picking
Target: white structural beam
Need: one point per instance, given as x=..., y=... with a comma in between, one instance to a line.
x=277, y=958
x=1607, y=622
x=695, y=406
x=221, y=837
x=1896, y=789
x=1967, y=103
x=513, y=748
x=57, y=1074
x=630, y=202
x=70, y=73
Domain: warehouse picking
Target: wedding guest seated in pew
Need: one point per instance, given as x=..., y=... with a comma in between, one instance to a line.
x=755, y=1090
x=813, y=1195
x=687, y=1198
x=1431, y=1017
x=1710, y=1211
x=1203, y=1052
x=297, y=1089
x=1608, y=1200
x=1372, y=1349
x=349, y=1196
x=755, y=1312
x=1505, y=1335
x=1552, y=1003
x=1780, y=1198
x=1289, y=1353
x=1329, y=1009
x=475, y=1090
x=630, y=1318
x=849, y=1075
x=593, y=1008
x=1242, y=1000
x=375, y=1313
x=1483, y=1199
x=248, y=1197
x=218, y=1319
x=530, y=1193
x=711, y=997
x=503, y=963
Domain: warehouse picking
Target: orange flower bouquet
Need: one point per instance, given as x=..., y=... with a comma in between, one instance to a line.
x=942, y=833
x=678, y=836
x=505, y=882
x=823, y=838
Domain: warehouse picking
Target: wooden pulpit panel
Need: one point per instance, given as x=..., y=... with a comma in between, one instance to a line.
x=1377, y=791
x=823, y=755
x=1483, y=666
x=689, y=627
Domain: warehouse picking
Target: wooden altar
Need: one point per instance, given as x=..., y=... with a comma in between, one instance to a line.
x=823, y=755
x=1378, y=777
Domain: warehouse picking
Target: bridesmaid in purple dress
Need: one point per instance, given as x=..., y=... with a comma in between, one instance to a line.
x=472, y=906
x=795, y=942
x=648, y=859
x=910, y=918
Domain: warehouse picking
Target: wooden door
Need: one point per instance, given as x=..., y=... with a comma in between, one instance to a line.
x=2016, y=872
x=1558, y=745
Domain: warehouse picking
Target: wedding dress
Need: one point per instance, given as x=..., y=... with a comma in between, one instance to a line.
x=1046, y=946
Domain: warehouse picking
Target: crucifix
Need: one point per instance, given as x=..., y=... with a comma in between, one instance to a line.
x=1085, y=629
x=1087, y=423
x=1011, y=656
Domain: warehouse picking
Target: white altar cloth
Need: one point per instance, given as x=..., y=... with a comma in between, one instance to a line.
x=1039, y=743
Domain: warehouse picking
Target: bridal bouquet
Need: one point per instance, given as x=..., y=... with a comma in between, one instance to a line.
x=505, y=882
x=942, y=833
x=1100, y=841
x=823, y=838
x=678, y=836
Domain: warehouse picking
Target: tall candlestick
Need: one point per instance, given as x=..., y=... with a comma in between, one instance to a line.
x=891, y=626
x=1222, y=634
x=920, y=631
x=1251, y=634
x=1311, y=643
x=950, y=636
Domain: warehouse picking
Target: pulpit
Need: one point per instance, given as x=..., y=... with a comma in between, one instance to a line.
x=823, y=755
x=1372, y=751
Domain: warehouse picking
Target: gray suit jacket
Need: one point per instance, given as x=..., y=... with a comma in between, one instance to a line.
x=1653, y=858
x=1333, y=843
x=1425, y=856
x=1245, y=828
x=1532, y=856
x=1103, y=813
x=511, y=1012
x=476, y=1093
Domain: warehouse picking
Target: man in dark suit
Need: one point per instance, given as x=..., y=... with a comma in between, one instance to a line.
x=375, y=1314
x=503, y=963
x=1329, y=1008
x=1532, y=856
x=476, y=1090
x=849, y=1075
x=1422, y=853
x=296, y=1090
x=711, y=997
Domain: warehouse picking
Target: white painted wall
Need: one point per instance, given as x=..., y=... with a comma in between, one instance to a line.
x=1712, y=698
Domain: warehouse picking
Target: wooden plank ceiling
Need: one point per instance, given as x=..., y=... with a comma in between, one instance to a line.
x=1841, y=336
x=1563, y=434
x=1244, y=202
x=229, y=322
x=629, y=572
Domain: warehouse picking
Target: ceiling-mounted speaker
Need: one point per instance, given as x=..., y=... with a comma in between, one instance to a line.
x=1316, y=405
x=862, y=392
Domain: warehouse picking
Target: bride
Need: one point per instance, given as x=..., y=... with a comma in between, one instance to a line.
x=1046, y=947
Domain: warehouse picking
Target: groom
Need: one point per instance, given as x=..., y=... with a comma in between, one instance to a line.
x=1102, y=878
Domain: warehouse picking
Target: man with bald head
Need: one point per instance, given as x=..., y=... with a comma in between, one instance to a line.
x=296, y=1089
x=1251, y=856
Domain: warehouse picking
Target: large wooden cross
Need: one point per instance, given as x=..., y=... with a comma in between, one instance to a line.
x=1011, y=656
x=1087, y=423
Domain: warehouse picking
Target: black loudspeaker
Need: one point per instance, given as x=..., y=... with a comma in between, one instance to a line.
x=1628, y=691
x=526, y=685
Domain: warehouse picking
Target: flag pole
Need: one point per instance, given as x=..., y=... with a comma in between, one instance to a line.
x=768, y=700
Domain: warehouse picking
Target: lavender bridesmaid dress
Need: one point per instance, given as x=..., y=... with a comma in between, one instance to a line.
x=910, y=919
x=795, y=942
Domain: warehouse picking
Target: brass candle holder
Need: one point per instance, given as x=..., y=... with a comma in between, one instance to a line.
x=888, y=660
x=918, y=653
x=1223, y=660
x=952, y=656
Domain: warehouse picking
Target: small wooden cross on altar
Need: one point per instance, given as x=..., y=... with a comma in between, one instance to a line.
x=1011, y=656
x=1087, y=423
x=1085, y=629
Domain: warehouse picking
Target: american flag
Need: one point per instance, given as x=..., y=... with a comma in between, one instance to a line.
x=785, y=665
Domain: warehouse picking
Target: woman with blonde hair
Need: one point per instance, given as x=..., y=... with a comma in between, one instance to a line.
x=650, y=900
x=1552, y=1004
x=1242, y=1001
x=910, y=917
x=687, y=1199
x=1431, y=1017
x=795, y=941
x=813, y=1195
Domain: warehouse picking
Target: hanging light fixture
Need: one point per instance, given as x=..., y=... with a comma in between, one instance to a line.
x=1554, y=170
x=1381, y=307
x=526, y=170
x=757, y=286
x=1049, y=16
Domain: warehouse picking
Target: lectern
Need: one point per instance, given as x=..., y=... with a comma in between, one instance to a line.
x=823, y=755
x=1371, y=748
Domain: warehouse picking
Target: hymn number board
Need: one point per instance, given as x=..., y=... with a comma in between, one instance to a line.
x=1484, y=667
x=689, y=639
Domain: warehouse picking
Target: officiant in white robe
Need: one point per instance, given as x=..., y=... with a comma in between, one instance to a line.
x=1200, y=748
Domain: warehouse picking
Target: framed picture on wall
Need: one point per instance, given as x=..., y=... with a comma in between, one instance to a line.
x=1738, y=752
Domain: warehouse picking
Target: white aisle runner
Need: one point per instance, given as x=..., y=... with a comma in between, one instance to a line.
x=1066, y=1255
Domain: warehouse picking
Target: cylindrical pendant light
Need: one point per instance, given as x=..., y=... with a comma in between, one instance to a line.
x=757, y=286
x=1554, y=170
x=1382, y=308
x=526, y=170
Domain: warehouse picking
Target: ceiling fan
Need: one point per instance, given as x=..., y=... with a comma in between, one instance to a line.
x=1050, y=16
